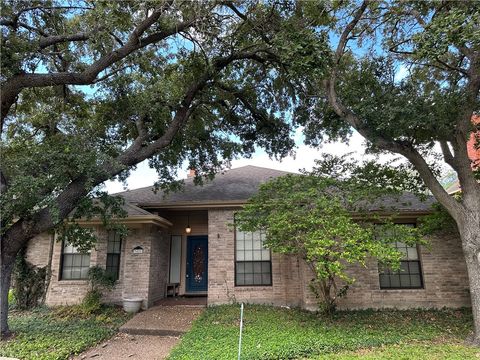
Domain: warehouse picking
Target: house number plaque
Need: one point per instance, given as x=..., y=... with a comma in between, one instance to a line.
x=137, y=250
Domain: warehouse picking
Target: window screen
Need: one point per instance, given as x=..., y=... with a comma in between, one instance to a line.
x=114, y=247
x=75, y=265
x=409, y=276
x=252, y=261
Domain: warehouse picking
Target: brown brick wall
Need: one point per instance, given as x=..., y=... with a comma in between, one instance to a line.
x=221, y=269
x=144, y=275
x=443, y=266
x=38, y=250
x=141, y=275
x=159, y=262
x=444, y=276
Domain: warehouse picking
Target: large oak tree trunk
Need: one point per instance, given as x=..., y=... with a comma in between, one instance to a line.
x=470, y=233
x=6, y=268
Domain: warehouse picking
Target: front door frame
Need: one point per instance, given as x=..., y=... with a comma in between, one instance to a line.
x=190, y=286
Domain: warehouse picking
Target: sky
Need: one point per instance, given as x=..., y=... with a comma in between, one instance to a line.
x=304, y=158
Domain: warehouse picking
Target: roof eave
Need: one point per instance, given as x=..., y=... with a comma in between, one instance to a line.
x=132, y=219
x=193, y=204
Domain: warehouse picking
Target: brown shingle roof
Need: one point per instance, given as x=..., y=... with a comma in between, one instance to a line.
x=233, y=185
x=238, y=185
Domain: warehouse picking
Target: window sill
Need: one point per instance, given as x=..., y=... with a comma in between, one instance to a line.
x=253, y=287
x=401, y=289
x=73, y=282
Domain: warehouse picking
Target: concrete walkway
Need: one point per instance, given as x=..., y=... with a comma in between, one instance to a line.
x=163, y=320
x=132, y=347
x=149, y=335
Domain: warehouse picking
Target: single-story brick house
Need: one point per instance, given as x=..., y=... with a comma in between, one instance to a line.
x=188, y=238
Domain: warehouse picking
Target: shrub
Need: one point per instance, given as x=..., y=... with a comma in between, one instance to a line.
x=92, y=303
x=99, y=280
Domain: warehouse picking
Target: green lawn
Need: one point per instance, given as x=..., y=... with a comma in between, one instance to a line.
x=45, y=334
x=276, y=333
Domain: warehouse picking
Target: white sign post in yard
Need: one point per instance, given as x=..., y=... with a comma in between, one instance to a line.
x=241, y=330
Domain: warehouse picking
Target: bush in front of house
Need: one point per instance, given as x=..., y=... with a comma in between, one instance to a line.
x=99, y=280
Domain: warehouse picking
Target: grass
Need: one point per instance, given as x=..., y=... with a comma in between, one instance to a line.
x=56, y=334
x=425, y=351
x=276, y=333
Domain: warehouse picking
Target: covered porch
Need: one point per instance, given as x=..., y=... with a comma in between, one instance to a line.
x=187, y=253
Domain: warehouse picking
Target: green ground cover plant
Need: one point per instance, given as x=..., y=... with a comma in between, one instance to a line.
x=280, y=333
x=47, y=334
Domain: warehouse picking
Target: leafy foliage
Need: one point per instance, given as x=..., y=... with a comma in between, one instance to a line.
x=439, y=221
x=99, y=280
x=310, y=216
x=29, y=283
x=276, y=333
x=51, y=335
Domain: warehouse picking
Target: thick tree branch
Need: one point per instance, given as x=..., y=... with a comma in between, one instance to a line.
x=405, y=149
x=14, y=85
x=57, y=39
x=447, y=155
x=25, y=228
x=463, y=130
x=342, y=43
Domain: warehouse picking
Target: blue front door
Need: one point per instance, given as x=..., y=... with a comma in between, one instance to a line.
x=197, y=263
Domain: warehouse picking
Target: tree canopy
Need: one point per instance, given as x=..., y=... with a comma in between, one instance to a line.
x=203, y=82
x=323, y=217
x=92, y=88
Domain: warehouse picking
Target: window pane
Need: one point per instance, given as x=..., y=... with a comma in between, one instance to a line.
x=403, y=267
x=252, y=260
x=265, y=254
x=405, y=280
x=84, y=273
x=67, y=274
x=266, y=279
x=414, y=267
x=69, y=249
x=412, y=253
x=109, y=246
x=240, y=279
x=68, y=260
x=394, y=281
x=77, y=260
x=384, y=281
x=416, y=280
